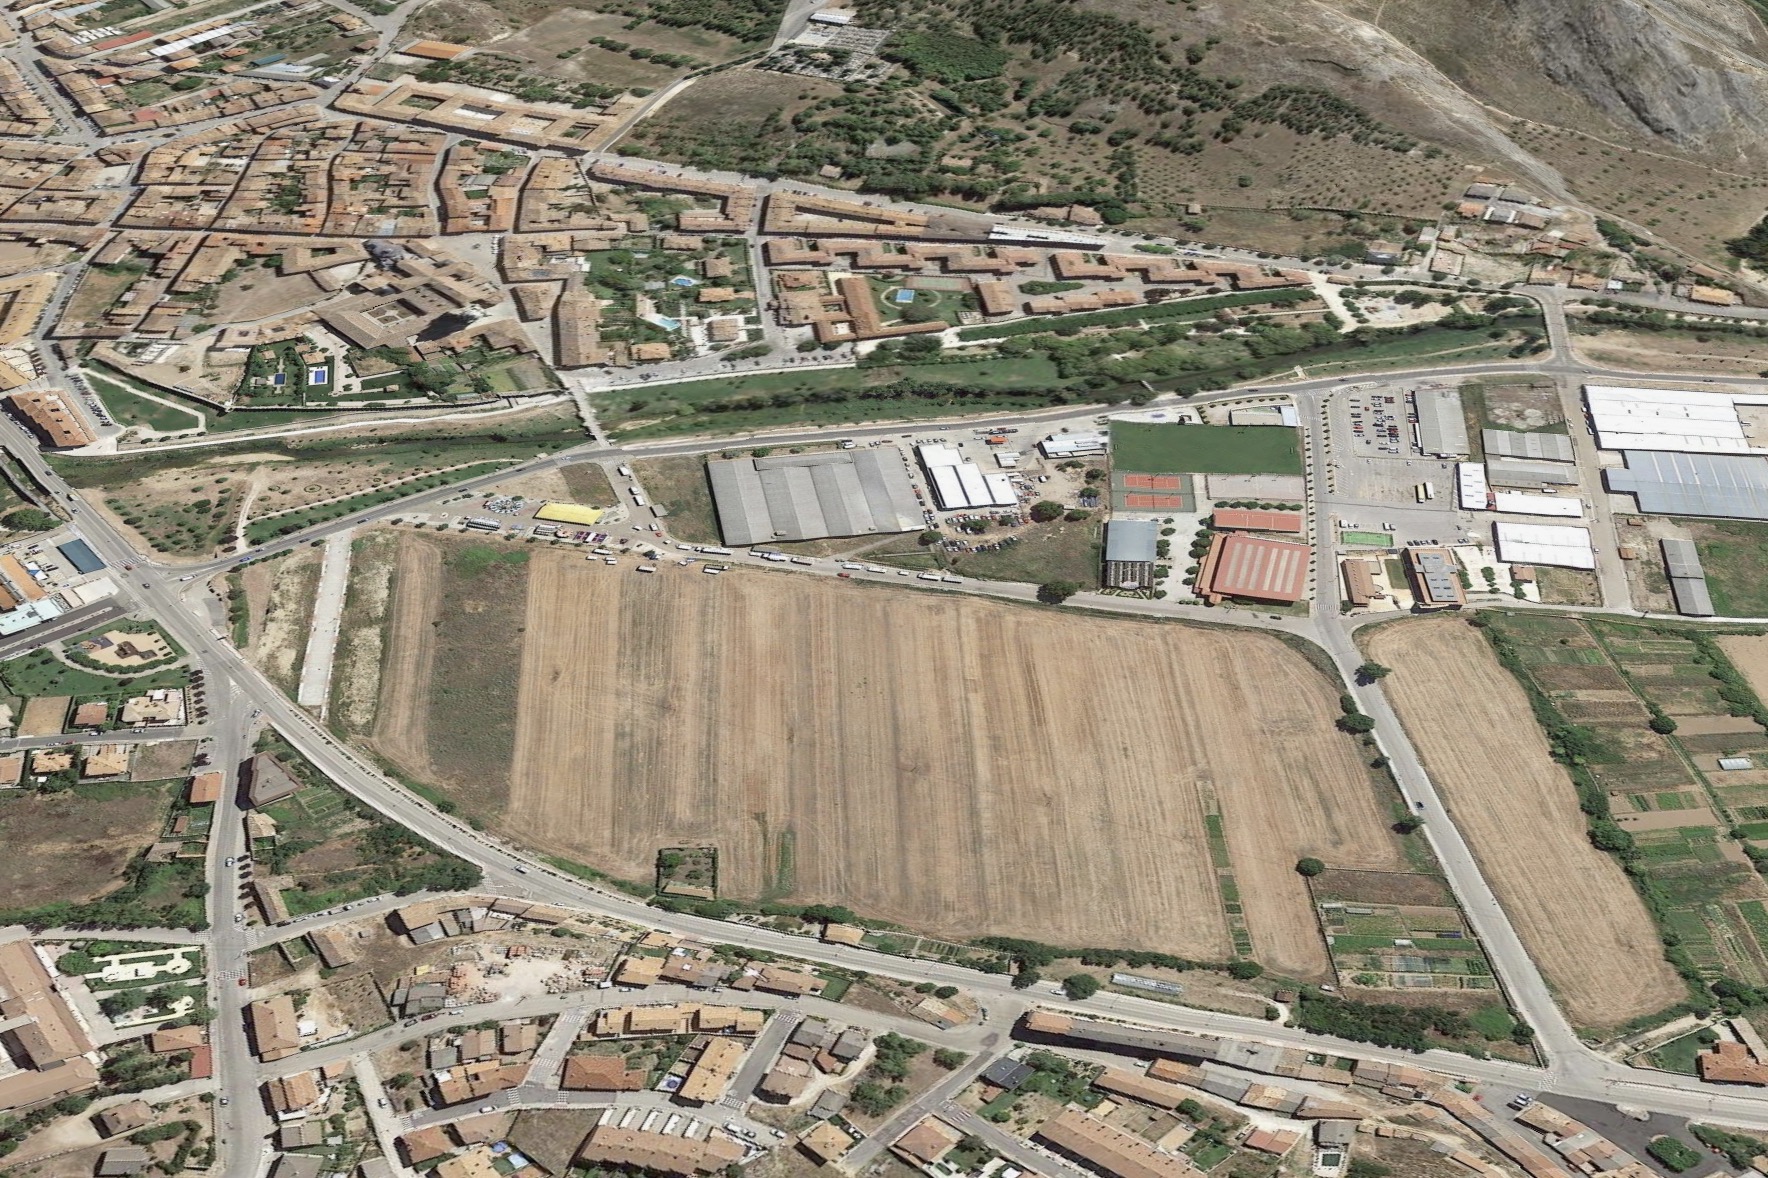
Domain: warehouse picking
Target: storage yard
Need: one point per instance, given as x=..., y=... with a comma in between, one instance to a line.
x=1007, y=771
x=1575, y=911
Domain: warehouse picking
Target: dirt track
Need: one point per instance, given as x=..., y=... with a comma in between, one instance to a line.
x=957, y=765
x=1577, y=915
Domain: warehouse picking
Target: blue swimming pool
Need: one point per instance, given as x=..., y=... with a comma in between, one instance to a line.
x=905, y=296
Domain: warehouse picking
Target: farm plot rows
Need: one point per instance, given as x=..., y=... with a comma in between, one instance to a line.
x=1005, y=770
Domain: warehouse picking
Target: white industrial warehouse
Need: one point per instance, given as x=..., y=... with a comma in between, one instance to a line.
x=1549, y=544
x=1671, y=419
x=959, y=484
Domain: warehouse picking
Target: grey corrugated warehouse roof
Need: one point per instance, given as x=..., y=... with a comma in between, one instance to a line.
x=1682, y=559
x=1729, y=486
x=1504, y=443
x=809, y=496
x=1688, y=580
x=1131, y=539
x=1520, y=472
x=1442, y=430
x=1692, y=597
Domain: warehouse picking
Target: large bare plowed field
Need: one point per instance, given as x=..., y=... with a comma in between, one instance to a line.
x=957, y=765
x=1577, y=914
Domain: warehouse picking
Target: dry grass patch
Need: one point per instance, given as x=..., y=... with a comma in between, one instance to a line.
x=281, y=594
x=73, y=846
x=1576, y=913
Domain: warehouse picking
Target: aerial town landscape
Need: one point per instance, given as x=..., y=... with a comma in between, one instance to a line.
x=861, y=588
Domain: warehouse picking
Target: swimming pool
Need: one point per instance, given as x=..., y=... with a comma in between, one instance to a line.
x=904, y=295
x=683, y=280
x=320, y=374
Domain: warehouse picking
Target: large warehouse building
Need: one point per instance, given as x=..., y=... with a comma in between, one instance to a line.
x=810, y=496
x=1540, y=447
x=1670, y=419
x=1731, y=486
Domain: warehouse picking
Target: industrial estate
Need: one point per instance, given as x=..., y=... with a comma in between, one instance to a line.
x=691, y=588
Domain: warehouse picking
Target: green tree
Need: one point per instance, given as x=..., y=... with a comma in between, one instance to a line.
x=1044, y=510
x=1662, y=724
x=931, y=537
x=28, y=519
x=1370, y=672
x=1025, y=979
x=76, y=962
x=1056, y=592
x=1245, y=970
x=1356, y=723
x=1080, y=986
x=1309, y=867
x=948, y=1059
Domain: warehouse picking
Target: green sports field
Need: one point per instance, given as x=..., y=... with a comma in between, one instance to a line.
x=1149, y=448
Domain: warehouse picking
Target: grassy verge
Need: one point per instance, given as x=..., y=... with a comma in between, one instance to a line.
x=260, y=530
x=831, y=396
x=129, y=408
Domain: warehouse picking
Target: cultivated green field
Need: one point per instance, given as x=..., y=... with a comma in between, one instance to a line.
x=1152, y=448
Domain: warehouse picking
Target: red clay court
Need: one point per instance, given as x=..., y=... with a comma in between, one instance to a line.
x=1153, y=502
x=1152, y=482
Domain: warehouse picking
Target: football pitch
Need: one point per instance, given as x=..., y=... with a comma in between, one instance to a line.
x=1205, y=449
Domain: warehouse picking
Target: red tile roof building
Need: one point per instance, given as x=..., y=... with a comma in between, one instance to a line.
x=1254, y=568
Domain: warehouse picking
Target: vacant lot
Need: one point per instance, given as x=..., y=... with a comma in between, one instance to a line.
x=73, y=846
x=280, y=596
x=1576, y=912
x=679, y=486
x=448, y=688
x=1734, y=554
x=1211, y=449
x=1008, y=770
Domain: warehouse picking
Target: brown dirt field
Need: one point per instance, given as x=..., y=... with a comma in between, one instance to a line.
x=356, y=678
x=67, y=847
x=1573, y=908
x=551, y=1136
x=163, y=759
x=1005, y=756
x=1749, y=654
x=401, y=728
x=1384, y=887
x=43, y=715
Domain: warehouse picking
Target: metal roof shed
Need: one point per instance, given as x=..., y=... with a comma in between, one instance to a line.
x=1442, y=430
x=1131, y=539
x=79, y=554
